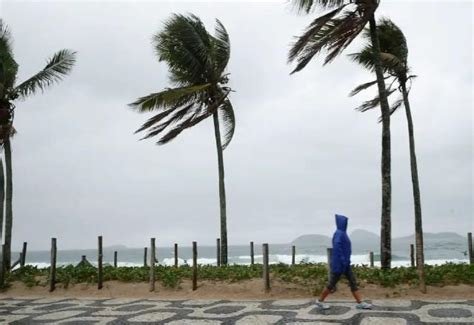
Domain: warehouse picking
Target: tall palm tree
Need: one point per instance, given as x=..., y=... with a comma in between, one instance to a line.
x=394, y=58
x=58, y=66
x=333, y=32
x=197, y=62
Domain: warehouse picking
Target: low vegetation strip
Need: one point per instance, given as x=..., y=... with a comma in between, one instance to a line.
x=313, y=276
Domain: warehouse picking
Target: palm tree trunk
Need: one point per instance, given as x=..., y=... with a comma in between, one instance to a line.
x=420, y=256
x=2, y=199
x=385, y=231
x=223, y=213
x=8, y=204
x=2, y=203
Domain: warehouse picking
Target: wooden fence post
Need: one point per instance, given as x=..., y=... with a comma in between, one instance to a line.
x=145, y=256
x=115, y=258
x=266, y=271
x=100, y=269
x=218, y=262
x=371, y=257
x=23, y=255
x=329, y=254
x=176, y=255
x=293, y=255
x=252, y=260
x=412, y=255
x=152, y=264
x=469, y=248
x=195, y=266
x=52, y=271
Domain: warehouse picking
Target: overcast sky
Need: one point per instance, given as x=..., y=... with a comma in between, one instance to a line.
x=300, y=152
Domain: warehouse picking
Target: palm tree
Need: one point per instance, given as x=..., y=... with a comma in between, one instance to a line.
x=394, y=58
x=58, y=66
x=333, y=32
x=197, y=62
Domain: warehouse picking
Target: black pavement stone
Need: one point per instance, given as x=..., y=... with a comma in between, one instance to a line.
x=53, y=307
x=81, y=322
x=450, y=312
x=334, y=310
x=411, y=319
x=134, y=307
x=224, y=310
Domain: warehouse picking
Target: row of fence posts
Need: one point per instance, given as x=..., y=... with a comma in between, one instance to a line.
x=153, y=260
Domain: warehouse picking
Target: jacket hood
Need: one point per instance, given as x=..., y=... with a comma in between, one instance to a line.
x=341, y=222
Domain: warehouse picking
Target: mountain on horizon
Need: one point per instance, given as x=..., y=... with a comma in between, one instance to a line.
x=363, y=240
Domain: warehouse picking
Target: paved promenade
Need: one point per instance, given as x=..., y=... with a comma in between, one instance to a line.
x=136, y=311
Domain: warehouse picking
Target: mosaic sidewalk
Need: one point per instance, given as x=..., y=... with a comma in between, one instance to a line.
x=137, y=311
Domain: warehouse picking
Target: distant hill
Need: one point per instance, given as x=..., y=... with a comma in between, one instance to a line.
x=363, y=240
x=310, y=240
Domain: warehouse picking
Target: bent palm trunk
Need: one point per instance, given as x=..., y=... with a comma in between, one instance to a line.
x=223, y=214
x=385, y=232
x=8, y=204
x=420, y=258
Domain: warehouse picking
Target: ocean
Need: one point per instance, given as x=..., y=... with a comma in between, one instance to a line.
x=240, y=254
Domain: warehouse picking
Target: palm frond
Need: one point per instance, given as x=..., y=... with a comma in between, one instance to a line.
x=221, y=48
x=227, y=117
x=393, y=48
x=364, y=58
x=333, y=33
x=361, y=87
x=395, y=106
x=169, y=98
x=309, y=5
x=191, y=120
x=173, y=117
x=184, y=45
x=58, y=66
x=311, y=32
x=373, y=103
x=8, y=66
x=6, y=42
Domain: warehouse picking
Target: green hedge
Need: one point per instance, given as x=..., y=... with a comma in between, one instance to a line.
x=311, y=275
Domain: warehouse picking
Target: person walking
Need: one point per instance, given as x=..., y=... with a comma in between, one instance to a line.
x=341, y=265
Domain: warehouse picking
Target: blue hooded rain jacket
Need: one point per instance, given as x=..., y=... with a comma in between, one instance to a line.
x=341, y=247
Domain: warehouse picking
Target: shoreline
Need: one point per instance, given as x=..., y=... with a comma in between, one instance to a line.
x=321, y=260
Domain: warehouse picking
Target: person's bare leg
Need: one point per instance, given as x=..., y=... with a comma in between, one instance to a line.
x=324, y=294
x=357, y=297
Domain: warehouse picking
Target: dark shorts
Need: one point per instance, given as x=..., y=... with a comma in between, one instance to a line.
x=334, y=278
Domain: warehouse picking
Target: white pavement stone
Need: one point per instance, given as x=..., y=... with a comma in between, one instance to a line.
x=47, y=300
x=194, y=322
x=383, y=320
x=392, y=303
x=292, y=302
x=6, y=319
x=59, y=315
x=119, y=301
x=313, y=323
x=258, y=320
x=95, y=320
x=152, y=317
x=198, y=302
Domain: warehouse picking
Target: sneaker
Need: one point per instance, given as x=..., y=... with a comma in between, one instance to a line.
x=322, y=305
x=364, y=305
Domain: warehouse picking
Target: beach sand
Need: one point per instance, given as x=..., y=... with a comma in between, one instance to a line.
x=243, y=290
